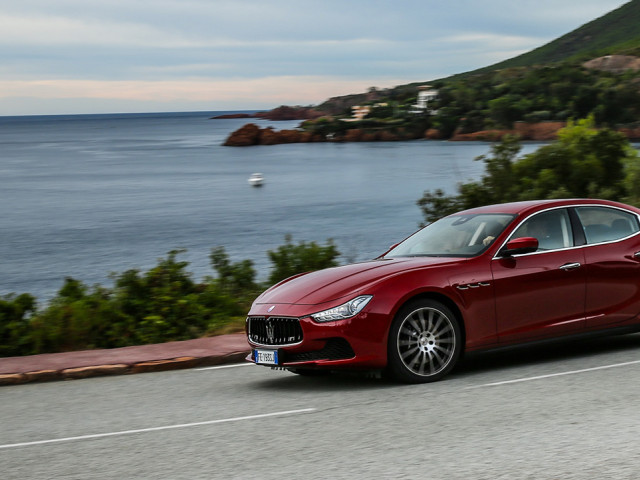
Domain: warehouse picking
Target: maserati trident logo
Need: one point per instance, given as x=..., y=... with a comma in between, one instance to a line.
x=271, y=308
x=270, y=333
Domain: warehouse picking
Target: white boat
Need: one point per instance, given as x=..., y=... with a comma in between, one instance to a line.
x=256, y=179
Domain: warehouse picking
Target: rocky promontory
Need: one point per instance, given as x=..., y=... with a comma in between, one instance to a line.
x=251, y=134
x=280, y=113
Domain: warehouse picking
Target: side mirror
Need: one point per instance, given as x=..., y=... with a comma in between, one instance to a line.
x=519, y=246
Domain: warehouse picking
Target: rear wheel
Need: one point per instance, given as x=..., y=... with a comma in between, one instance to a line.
x=425, y=342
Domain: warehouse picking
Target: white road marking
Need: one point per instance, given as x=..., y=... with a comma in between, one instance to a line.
x=156, y=429
x=572, y=372
x=247, y=364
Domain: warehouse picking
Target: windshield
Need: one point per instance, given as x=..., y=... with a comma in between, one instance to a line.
x=453, y=236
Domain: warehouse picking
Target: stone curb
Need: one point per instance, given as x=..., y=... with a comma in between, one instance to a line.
x=120, y=368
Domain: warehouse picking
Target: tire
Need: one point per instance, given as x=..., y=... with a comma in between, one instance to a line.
x=425, y=342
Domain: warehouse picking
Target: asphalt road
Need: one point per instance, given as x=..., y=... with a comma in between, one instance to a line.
x=565, y=411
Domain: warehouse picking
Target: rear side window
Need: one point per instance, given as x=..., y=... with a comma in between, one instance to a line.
x=602, y=224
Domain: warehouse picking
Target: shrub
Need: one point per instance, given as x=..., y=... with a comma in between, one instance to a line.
x=15, y=314
x=583, y=162
x=290, y=259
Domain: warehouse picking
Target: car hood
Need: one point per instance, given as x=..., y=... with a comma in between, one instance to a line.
x=333, y=283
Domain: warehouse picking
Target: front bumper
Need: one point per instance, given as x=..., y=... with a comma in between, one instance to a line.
x=358, y=342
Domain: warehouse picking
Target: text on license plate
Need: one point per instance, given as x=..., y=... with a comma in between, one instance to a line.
x=266, y=357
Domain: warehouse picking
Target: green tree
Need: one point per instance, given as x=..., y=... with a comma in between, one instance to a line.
x=77, y=318
x=290, y=259
x=583, y=162
x=163, y=303
x=15, y=314
x=236, y=278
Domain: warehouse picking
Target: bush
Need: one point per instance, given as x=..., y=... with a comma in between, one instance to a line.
x=160, y=305
x=290, y=259
x=15, y=314
x=583, y=162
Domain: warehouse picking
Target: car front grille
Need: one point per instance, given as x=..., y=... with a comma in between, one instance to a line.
x=274, y=330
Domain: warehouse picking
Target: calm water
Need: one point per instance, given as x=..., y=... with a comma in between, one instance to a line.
x=87, y=195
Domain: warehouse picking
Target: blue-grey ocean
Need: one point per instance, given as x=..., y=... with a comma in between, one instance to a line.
x=87, y=195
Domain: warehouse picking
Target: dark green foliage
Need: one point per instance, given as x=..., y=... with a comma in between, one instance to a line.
x=548, y=83
x=326, y=126
x=234, y=278
x=290, y=259
x=77, y=319
x=495, y=100
x=160, y=305
x=583, y=162
x=14, y=323
x=386, y=111
x=614, y=33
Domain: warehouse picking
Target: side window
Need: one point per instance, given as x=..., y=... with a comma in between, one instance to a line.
x=552, y=229
x=602, y=224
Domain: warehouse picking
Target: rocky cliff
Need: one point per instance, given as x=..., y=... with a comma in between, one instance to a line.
x=251, y=134
x=283, y=112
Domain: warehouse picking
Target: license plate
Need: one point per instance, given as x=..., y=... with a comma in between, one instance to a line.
x=266, y=357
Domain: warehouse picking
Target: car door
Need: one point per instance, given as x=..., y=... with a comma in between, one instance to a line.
x=612, y=258
x=541, y=294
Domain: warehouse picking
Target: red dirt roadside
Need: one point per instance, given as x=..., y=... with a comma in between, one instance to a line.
x=137, y=359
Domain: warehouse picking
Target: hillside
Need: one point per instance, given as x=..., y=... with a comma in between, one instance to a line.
x=593, y=71
x=617, y=32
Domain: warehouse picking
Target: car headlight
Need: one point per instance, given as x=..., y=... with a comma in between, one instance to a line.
x=346, y=310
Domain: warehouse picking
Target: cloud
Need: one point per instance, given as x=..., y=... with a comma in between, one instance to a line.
x=56, y=31
x=483, y=40
x=245, y=50
x=270, y=90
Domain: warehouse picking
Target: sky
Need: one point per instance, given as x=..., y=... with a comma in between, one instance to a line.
x=111, y=56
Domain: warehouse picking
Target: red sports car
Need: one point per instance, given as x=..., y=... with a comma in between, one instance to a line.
x=478, y=279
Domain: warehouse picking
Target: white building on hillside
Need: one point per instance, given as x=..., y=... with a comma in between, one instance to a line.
x=426, y=95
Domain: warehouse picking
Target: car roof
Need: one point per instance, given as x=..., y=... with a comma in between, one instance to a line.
x=530, y=206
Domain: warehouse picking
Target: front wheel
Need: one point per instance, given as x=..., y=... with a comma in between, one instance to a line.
x=425, y=342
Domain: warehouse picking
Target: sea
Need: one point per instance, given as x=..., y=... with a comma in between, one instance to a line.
x=89, y=196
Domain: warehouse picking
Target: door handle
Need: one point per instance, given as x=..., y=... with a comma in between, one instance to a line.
x=570, y=266
x=637, y=255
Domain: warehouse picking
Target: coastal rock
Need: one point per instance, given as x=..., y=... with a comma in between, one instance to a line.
x=285, y=112
x=251, y=134
x=482, y=135
x=232, y=116
x=245, y=136
x=433, y=134
x=386, y=136
x=353, y=135
x=630, y=132
x=542, y=131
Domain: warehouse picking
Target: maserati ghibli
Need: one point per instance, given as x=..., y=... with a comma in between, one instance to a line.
x=478, y=279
